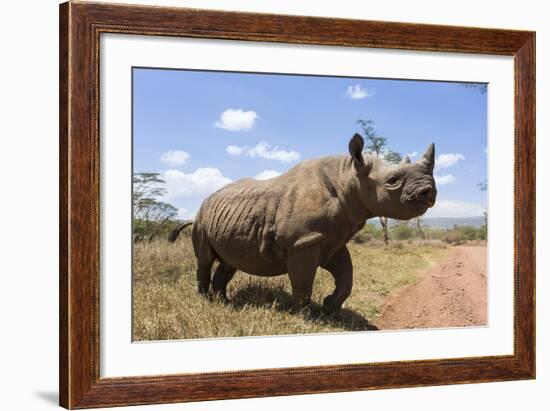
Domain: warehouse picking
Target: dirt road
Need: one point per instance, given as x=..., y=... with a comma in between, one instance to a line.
x=451, y=294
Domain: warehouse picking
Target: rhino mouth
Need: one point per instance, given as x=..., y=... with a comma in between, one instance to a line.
x=418, y=204
x=427, y=203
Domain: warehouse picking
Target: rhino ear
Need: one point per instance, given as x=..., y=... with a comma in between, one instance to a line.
x=405, y=160
x=428, y=159
x=356, y=145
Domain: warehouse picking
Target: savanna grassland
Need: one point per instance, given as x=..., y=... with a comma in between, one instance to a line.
x=166, y=304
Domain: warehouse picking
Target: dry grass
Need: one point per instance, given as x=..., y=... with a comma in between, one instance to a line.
x=167, y=305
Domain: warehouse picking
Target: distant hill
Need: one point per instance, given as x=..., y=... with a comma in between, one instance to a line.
x=449, y=222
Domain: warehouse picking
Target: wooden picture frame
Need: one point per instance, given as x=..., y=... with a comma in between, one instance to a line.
x=80, y=27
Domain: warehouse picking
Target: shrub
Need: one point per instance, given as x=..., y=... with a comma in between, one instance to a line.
x=145, y=230
x=469, y=232
x=482, y=232
x=367, y=233
x=360, y=238
x=455, y=237
x=402, y=231
x=462, y=234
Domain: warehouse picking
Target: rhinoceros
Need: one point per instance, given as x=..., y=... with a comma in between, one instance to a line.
x=302, y=219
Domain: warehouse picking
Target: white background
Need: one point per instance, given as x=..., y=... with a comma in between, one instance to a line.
x=28, y=162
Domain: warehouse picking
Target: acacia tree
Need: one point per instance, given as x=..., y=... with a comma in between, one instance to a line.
x=151, y=215
x=377, y=146
x=419, y=229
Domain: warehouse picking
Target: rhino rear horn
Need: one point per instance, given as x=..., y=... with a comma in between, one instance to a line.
x=356, y=145
x=428, y=159
x=405, y=160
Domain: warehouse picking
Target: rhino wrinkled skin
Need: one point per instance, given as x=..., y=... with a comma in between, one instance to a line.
x=302, y=219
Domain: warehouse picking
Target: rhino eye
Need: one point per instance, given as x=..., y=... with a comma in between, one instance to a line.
x=393, y=181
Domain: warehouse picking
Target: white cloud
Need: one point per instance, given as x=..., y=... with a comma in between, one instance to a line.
x=448, y=160
x=412, y=155
x=267, y=174
x=235, y=150
x=265, y=150
x=457, y=209
x=358, y=92
x=443, y=180
x=199, y=184
x=236, y=120
x=175, y=158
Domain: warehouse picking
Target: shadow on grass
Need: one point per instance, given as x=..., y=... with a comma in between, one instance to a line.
x=255, y=295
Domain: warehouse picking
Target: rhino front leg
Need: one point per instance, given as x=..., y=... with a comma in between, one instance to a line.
x=302, y=265
x=341, y=268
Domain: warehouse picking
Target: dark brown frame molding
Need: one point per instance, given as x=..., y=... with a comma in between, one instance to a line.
x=81, y=24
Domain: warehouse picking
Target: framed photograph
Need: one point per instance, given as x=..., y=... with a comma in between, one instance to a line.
x=259, y=205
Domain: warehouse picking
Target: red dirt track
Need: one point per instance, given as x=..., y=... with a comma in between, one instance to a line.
x=451, y=294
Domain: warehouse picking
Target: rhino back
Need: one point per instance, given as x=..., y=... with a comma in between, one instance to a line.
x=252, y=224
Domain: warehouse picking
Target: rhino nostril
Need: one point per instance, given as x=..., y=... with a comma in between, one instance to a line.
x=425, y=194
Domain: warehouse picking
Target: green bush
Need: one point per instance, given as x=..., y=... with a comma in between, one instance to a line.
x=402, y=231
x=145, y=230
x=469, y=232
x=482, y=232
x=461, y=234
x=405, y=231
x=367, y=233
x=455, y=237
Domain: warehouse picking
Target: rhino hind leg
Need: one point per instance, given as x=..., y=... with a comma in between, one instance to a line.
x=341, y=268
x=223, y=274
x=302, y=265
x=205, y=259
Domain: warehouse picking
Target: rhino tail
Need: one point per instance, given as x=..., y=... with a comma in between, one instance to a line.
x=176, y=232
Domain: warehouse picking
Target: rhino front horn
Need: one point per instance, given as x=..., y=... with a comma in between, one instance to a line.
x=428, y=159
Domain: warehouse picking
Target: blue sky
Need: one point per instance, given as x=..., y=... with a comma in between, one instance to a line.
x=203, y=129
